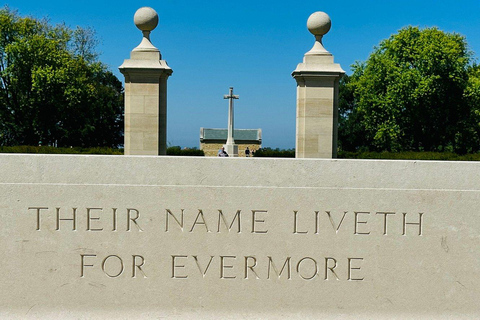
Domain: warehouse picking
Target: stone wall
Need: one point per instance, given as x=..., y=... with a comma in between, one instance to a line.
x=236, y=238
x=211, y=149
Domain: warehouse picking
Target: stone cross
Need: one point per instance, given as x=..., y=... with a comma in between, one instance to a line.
x=231, y=97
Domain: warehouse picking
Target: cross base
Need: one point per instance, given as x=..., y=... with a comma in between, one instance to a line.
x=231, y=149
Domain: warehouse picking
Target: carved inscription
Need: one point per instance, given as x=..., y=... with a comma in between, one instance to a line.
x=218, y=223
x=93, y=219
x=254, y=223
x=308, y=223
x=113, y=266
x=252, y=267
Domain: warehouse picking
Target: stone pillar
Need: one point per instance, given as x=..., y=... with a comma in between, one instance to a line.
x=146, y=77
x=317, y=96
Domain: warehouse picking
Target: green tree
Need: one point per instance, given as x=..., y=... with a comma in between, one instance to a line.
x=53, y=90
x=472, y=98
x=414, y=92
x=350, y=131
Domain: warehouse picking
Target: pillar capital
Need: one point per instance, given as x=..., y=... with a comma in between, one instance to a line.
x=318, y=61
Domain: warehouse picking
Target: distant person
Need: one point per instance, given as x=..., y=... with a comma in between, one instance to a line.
x=247, y=152
x=222, y=153
x=253, y=153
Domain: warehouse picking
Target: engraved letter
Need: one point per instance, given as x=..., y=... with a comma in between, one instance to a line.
x=333, y=223
x=255, y=220
x=295, y=231
x=350, y=268
x=200, y=214
x=38, y=214
x=174, y=276
x=385, y=214
x=204, y=272
x=114, y=219
x=134, y=220
x=139, y=266
x=82, y=256
x=221, y=217
x=286, y=263
x=330, y=268
x=360, y=222
x=180, y=223
x=73, y=219
x=89, y=218
x=315, y=271
x=121, y=266
x=223, y=267
x=247, y=266
x=419, y=224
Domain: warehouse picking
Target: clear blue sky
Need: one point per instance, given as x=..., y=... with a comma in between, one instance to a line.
x=251, y=45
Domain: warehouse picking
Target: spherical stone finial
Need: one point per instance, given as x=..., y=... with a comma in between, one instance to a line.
x=146, y=19
x=319, y=23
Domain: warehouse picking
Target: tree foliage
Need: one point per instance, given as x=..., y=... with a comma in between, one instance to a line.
x=417, y=91
x=53, y=90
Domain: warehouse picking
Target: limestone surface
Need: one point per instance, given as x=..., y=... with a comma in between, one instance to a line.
x=117, y=237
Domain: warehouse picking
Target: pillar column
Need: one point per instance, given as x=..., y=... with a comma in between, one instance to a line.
x=317, y=96
x=146, y=76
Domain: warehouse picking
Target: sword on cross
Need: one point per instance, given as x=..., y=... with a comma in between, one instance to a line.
x=231, y=97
